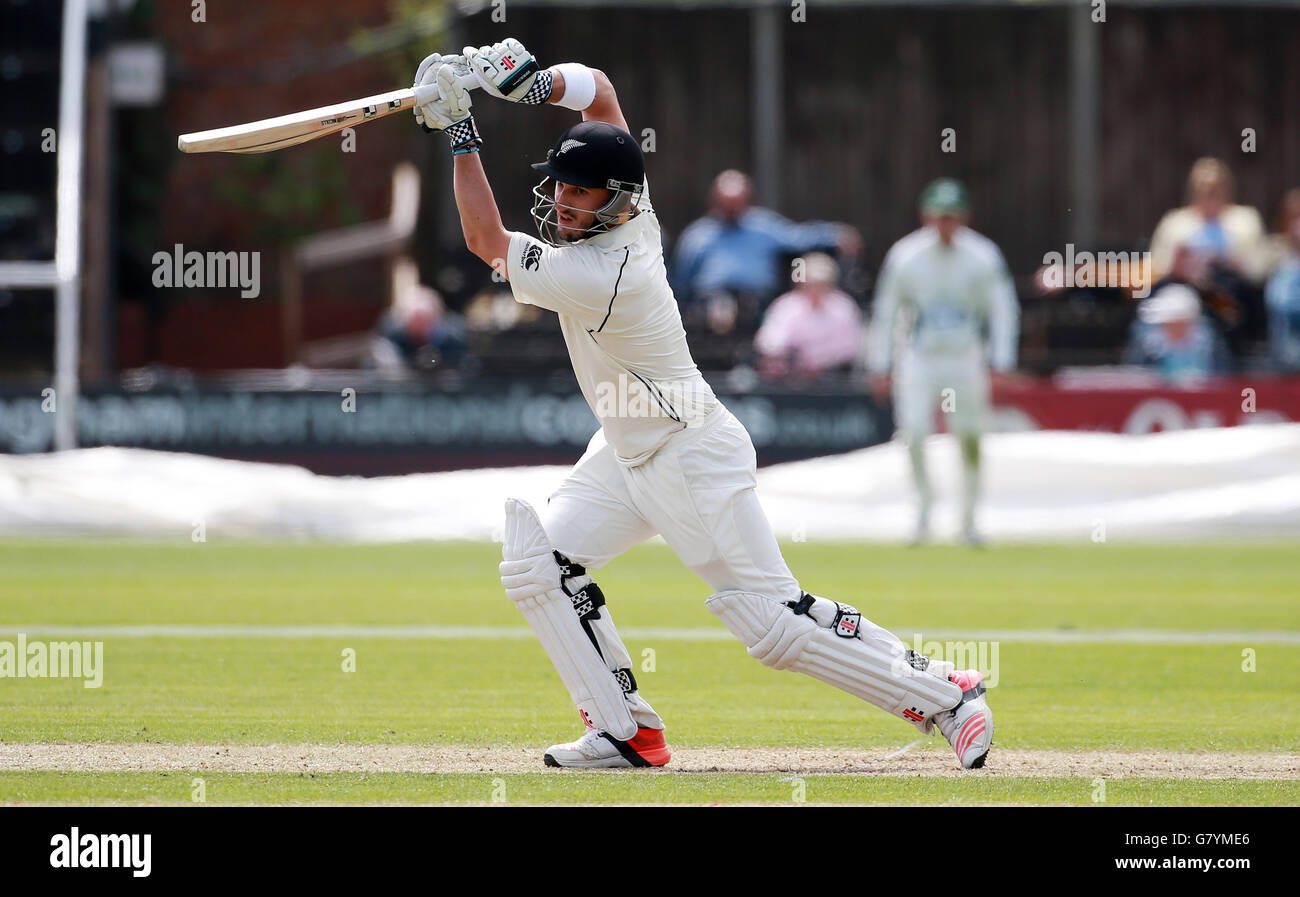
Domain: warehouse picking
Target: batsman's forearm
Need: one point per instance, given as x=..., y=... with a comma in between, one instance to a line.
x=480, y=220
x=604, y=107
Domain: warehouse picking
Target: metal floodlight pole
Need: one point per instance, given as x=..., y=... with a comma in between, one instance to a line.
x=67, y=246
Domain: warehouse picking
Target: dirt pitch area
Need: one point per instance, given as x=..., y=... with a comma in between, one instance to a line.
x=325, y=758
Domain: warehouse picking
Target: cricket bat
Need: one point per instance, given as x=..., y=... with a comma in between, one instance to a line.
x=299, y=127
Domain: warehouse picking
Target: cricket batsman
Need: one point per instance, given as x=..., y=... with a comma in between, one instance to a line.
x=953, y=285
x=668, y=458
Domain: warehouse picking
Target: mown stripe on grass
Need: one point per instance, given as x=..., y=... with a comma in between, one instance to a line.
x=680, y=634
x=633, y=788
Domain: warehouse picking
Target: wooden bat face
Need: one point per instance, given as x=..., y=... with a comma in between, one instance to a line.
x=298, y=127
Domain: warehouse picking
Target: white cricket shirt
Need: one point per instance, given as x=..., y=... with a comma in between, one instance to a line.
x=952, y=292
x=624, y=332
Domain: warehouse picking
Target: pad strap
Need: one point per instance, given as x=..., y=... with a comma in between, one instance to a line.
x=844, y=620
x=531, y=574
x=568, y=568
x=626, y=680
x=587, y=602
x=811, y=636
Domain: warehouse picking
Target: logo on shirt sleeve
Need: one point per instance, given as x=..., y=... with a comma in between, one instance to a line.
x=532, y=256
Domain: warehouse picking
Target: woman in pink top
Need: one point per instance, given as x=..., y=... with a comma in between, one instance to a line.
x=812, y=329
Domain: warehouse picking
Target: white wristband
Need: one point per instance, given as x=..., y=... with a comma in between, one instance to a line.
x=579, y=85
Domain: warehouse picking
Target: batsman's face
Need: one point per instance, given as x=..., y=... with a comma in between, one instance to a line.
x=575, y=209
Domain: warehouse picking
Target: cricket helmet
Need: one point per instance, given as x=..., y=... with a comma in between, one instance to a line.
x=592, y=154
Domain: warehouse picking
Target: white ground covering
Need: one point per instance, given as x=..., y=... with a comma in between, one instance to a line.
x=1211, y=484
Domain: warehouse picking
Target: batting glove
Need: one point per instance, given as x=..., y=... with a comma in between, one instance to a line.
x=507, y=70
x=448, y=110
x=424, y=76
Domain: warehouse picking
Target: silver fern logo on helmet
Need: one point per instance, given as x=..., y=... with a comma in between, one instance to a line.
x=570, y=144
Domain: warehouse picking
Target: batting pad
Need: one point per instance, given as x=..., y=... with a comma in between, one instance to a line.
x=531, y=577
x=871, y=665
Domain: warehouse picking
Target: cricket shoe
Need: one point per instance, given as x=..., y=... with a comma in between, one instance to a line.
x=968, y=726
x=600, y=750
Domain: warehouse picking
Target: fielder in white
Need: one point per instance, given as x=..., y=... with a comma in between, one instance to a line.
x=669, y=458
x=952, y=284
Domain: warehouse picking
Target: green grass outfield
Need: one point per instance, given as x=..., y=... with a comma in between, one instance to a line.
x=1097, y=648
x=623, y=787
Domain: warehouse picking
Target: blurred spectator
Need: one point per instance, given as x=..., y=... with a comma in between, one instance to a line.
x=1218, y=248
x=418, y=332
x=1171, y=336
x=1210, y=231
x=1282, y=295
x=727, y=264
x=1277, y=246
x=493, y=309
x=813, y=329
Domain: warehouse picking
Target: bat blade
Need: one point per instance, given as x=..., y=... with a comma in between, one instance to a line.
x=298, y=127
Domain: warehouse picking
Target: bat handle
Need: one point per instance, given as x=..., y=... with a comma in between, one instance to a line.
x=427, y=93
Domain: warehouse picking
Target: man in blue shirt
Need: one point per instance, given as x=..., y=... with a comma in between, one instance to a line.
x=1282, y=300
x=728, y=264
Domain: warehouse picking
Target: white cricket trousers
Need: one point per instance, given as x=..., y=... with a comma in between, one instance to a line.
x=919, y=392
x=697, y=492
